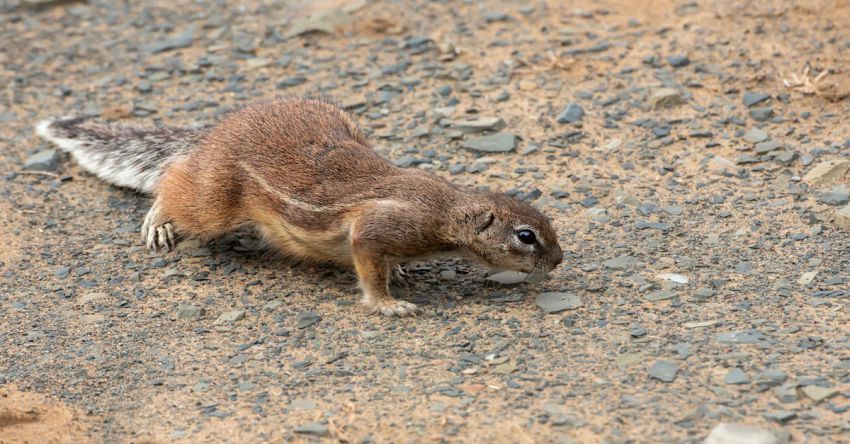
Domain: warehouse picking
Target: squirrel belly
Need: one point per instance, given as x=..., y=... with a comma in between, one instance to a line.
x=303, y=173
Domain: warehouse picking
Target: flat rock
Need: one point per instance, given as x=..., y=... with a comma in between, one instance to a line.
x=733, y=433
x=313, y=428
x=308, y=318
x=841, y=218
x=780, y=416
x=190, y=312
x=665, y=97
x=660, y=295
x=740, y=337
x=493, y=143
x=754, y=98
x=183, y=40
x=620, y=262
x=817, y=393
x=571, y=114
x=557, y=302
x=835, y=197
x=232, y=316
x=826, y=172
x=45, y=160
x=664, y=371
x=508, y=278
x=755, y=135
x=736, y=376
x=478, y=125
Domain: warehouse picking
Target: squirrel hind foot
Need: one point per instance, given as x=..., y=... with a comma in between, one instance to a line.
x=157, y=234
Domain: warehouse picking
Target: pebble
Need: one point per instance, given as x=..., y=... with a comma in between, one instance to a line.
x=508, y=278
x=827, y=171
x=45, y=160
x=754, y=98
x=835, y=197
x=620, y=262
x=761, y=114
x=817, y=393
x=755, y=135
x=841, y=218
x=313, y=428
x=780, y=416
x=571, y=114
x=307, y=318
x=478, y=125
x=231, y=316
x=557, y=302
x=665, y=97
x=740, y=337
x=733, y=433
x=678, y=61
x=664, y=371
x=736, y=376
x=493, y=143
x=183, y=40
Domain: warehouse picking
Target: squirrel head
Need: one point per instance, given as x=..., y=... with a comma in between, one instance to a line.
x=507, y=234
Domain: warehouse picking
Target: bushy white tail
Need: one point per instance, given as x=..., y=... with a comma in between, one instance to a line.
x=128, y=156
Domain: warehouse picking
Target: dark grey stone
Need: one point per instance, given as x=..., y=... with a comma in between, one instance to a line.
x=493, y=143
x=571, y=114
x=45, y=160
x=182, y=40
x=754, y=98
x=664, y=371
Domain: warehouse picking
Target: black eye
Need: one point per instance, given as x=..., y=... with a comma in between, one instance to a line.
x=526, y=236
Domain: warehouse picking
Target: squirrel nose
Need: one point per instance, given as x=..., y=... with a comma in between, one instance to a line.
x=557, y=259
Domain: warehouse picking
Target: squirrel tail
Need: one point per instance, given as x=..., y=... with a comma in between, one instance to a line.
x=128, y=156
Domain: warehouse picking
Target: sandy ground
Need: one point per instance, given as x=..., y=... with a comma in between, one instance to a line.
x=713, y=278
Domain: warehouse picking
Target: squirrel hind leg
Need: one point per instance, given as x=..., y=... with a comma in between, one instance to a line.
x=157, y=231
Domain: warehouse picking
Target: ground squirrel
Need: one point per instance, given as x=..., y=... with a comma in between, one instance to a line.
x=302, y=172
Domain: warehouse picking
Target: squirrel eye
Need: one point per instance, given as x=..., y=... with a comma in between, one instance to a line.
x=526, y=236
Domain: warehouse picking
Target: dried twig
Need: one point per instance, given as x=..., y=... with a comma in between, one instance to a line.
x=804, y=83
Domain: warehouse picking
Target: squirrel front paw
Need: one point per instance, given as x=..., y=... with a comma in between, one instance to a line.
x=394, y=307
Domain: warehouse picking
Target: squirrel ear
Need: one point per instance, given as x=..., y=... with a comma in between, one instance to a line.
x=483, y=221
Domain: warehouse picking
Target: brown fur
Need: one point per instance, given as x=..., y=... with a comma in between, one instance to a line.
x=303, y=172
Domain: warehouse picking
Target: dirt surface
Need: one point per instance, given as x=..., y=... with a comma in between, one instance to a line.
x=710, y=261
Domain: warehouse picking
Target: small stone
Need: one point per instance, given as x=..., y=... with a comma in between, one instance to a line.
x=835, y=197
x=307, y=318
x=842, y=218
x=780, y=416
x=508, y=278
x=818, y=393
x=761, y=114
x=755, y=135
x=478, y=125
x=190, y=312
x=493, y=143
x=827, y=171
x=183, y=40
x=231, y=316
x=740, y=337
x=291, y=82
x=767, y=146
x=731, y=433
x=45, y=160
x=678, y=61
x=786, y=393
x=620, y=262
x=673, y=277
x=571, y=114
x=736, y=376
x=660, y=295
x=807, y=278
x=754, y=98
x=770, y=378
x=665, y=97
x=313, y=428
x=557, y=302
x=663, y=371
